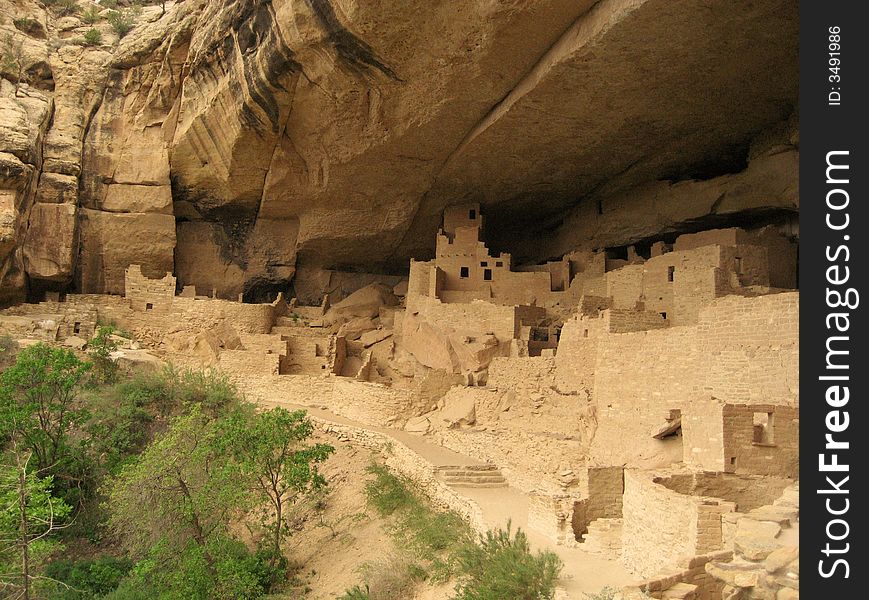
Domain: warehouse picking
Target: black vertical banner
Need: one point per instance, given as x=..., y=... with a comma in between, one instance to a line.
x=834, y=363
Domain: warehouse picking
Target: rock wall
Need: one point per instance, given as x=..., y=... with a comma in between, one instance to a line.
x=239, y=138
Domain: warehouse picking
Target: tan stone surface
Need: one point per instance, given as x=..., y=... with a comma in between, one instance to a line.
x=110, y=242
x=50, y=242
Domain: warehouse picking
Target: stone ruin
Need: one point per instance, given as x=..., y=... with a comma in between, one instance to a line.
x=644, y=399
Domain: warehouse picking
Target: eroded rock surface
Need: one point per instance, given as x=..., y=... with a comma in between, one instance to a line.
x=327, y=137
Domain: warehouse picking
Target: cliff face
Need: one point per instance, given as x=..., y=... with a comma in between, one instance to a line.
x=237, y=143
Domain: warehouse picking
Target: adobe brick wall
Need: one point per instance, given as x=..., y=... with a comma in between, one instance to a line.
x=743, y=350
x=662, y=526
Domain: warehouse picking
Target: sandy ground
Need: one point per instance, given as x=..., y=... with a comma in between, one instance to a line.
x=331, y=545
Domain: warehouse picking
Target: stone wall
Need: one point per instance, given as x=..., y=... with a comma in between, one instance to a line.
x=662, y=526
x=742, y=351
x=726, y=437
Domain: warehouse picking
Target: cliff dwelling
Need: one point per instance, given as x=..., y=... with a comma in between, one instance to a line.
x=540, y=260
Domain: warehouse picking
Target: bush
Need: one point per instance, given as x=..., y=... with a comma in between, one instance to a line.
x=63, y=7
x=606, y=593
x=123, y=21
x=93, y=37
x=91, y=16
x=502, y=566
x=87, y=578
x=102, y=345
x=234, y=573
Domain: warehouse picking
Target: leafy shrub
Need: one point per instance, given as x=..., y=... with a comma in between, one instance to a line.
x=233, y=573
x=93, y=37
x=87, y=578
x=63, y=7
x=102, y=345
x=606, y=593
x=109, y=3
x=123, y=21
x=503, y=566
x=91, y=16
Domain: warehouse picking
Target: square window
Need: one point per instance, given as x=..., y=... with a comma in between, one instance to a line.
x=149, y=306
x=499, y=263
x=663, y=315
x=763, y=423
x=484, y=264
x=464, y=272
x=487, y=274
x=671, y=271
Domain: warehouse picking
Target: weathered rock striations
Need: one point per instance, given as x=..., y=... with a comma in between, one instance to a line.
x=246, y=142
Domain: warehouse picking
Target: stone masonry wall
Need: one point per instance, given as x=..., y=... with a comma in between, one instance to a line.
x=742, y=351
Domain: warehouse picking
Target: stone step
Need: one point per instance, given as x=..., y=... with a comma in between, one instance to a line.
x=481, y=476
x=468, y=468
x=465, y=484
x=461, y=479
x=680, y=591
x=469, y=473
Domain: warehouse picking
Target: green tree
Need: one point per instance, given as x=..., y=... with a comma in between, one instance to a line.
x=29, y=515
x=183, y=490
x=272, y=451
x=101, y=346
x=38, y=401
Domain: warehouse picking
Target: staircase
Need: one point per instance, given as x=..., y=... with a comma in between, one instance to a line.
x=472, y=476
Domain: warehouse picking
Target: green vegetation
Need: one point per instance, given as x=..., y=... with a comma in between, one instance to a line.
x=140, y=477
x=63, y=7
x=123, y=20
x=26, y=25
x=101, y=346
x=12, y=60
x=503, y=566
x=91, y=16
x=439, y=546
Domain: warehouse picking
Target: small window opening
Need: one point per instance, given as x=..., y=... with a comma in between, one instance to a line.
x=484, y=264
x=464, y=272
x=763, y=428
x=738, y=265
x=76, y=327
x=487, y=275
x=499, y=263
x=149, y=306
x=663, y=315
x=585, y=333
x=671, y=272
x=732, y=461
x=472, y=214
